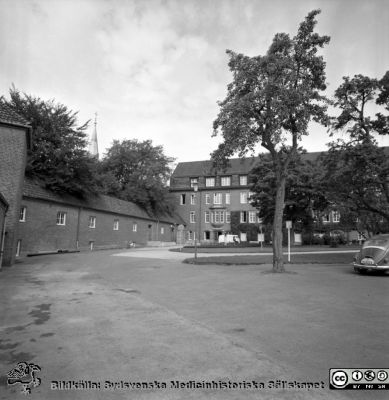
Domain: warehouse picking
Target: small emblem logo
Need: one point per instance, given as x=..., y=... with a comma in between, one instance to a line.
x=25, y=374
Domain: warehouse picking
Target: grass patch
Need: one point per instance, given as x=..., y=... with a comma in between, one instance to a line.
x=259, y=250
x=334, y=258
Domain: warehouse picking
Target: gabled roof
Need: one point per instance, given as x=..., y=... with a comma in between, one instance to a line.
x=236, y=166
x=9, y=116
x=203, y=168
x=33, y=189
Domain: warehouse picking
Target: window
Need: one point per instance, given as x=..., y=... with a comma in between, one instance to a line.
x=252, y=217
x=18, y=247
x=193, y=182
x=228, y=217
x=226, y=181
x=22, y=214
x=217, y=198
x=182, y=199
x=115, y=224
x=207, y=217
x=243, y=180
x=207, y=198
x=243, y=197
x=192, y=217
x=243, y=216
x=228, y=198
x=192, y=199
x=162, y=230
x=218, y=216
x=207, y=235
x=92, y=222
x=210, y=182
x=61, y=218
x=335, y=216
x=326, y=218
x=251, y=195
x=134, y=227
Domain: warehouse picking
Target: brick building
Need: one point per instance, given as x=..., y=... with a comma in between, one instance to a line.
x=3, y=212
x=52, y=222
x=221, y=203
x=38, y=220
x=220, y=196
x=15, y=139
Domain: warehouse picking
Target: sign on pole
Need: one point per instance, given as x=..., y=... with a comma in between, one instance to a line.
x=288, y=227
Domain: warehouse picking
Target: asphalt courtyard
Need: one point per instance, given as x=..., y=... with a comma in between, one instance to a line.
x=122, y=324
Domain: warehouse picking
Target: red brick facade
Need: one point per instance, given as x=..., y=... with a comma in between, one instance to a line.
x=97, y=223
x=13, y=153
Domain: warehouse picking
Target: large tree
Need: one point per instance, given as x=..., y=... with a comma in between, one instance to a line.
x=137, y=171
x=58, y=157
x=304, y=192
x=357, y=177
x=270, y=101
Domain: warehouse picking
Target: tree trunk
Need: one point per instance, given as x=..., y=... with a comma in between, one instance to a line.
x=278, y=260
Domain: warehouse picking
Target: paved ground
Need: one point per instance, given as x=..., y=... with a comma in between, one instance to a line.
x=143, y=316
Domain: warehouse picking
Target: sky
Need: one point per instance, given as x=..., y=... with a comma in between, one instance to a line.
x=155, y=69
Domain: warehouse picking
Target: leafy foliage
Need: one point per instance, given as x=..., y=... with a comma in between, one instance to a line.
x=58, y=157
x=357, y=170
x=270, y=101
x=137, y=171
x=304, y=191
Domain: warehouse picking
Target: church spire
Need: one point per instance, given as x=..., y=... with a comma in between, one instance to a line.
x=93, y=146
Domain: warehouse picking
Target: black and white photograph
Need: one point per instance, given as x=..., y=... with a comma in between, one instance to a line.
x=194, y=199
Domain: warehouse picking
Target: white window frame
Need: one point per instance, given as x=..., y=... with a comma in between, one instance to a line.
x=210, y=181
x=217, y=198
x=228, y=217
x=335, y=216
x=252, y=217
x=115, y=224
x=207, y=217
x=225, y=181
x=243, y=180
x=18, y=247
x=243, y=217
x=207, y=198
x=192, y=217
x=92, y=222
x=326, y=218
x=135, y=227
x=192, y=199
x=22, y=214
x=61, y=218
x=243, y=197
x=194, y=181
x=218, y=217
x=228, y=198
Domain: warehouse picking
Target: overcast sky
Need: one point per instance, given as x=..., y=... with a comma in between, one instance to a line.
x=155, y=69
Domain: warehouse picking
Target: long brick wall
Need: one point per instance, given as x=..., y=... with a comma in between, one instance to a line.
x=40, y=232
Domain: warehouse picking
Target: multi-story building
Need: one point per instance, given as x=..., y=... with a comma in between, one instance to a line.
x=213, y=202
x=210, y=200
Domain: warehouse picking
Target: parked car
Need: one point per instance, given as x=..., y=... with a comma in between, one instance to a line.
x=229, y=239
x=373, y=256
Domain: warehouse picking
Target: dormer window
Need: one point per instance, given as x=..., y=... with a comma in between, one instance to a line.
x=226, y=181
x=210, y=181
x=243, y=180
x=193, y=182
